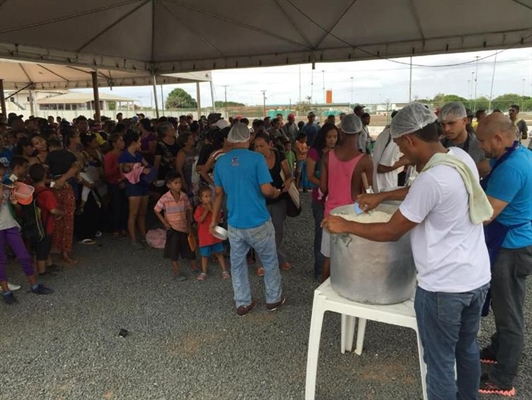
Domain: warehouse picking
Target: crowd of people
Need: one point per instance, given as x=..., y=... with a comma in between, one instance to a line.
x=453, y=173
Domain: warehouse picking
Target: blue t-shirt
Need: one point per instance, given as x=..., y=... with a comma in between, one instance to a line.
x=126, y=157
x=311, y=130
x=511, y=182
x=5, y=159
x=241, y=173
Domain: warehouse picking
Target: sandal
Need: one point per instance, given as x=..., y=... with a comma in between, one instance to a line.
x=225, y=275
x=286, y=266
x=260, y=271
x=202, y=276
x=88, y=241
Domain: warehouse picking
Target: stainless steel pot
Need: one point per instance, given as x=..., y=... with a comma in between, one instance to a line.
x=372, y=272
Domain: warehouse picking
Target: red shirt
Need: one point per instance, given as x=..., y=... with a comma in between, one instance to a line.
x=47, y=202
x=112, y=173
x=205, y=236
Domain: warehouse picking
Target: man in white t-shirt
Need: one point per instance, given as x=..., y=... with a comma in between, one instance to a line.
x=449, y=251
x=387, y=161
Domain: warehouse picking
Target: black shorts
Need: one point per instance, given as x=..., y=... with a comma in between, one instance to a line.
x=42, y=249
x=177, y=245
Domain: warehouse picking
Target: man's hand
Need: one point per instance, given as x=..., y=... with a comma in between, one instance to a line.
x=368, y=202
x=167, y=225
x=335, y=224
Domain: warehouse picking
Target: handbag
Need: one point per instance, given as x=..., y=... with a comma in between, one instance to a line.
x=293, y=203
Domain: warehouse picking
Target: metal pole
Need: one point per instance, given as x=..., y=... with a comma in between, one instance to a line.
x=410, y=85
x=2, y=99
x=492, y=81
x=323, y=82
x=212, y=97
x=32, y=102
x=351, y=90
x=199, y=99
x=476, y=79
x=94, y=75
x=162, y=98
x=263, y=102
x=155, y=96
x=300, y=84
x=225, y=104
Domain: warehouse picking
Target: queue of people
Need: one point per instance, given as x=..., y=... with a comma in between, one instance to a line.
x=465, y=197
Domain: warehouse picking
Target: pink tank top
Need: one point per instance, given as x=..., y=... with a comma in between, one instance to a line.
x=340, y=175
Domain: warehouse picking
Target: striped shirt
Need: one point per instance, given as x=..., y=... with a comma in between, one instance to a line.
x=175, y=212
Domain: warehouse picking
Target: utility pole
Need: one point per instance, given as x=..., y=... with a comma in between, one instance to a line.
x=351, y=90
x=263, y=102
x=523, y=94
x=476, y=80
x=323, y=79
x=410, y=84
x=225, y=104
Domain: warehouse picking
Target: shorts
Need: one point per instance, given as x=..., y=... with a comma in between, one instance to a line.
x=177, y=245
x=42, y=249
x=326, y=243
x=137, y=190
x=300, y=165
x=207, y=251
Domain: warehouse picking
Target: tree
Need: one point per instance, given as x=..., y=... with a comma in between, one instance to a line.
x=179, y=98
x=221, y=104
x=505, y=101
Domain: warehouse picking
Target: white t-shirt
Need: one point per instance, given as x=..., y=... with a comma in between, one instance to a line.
x=449, y=251
x=386, y=153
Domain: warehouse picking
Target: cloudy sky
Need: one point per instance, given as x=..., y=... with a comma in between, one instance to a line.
x=372, y=81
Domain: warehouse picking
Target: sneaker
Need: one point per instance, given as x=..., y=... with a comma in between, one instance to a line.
x=487, y=356
x=40, y=289
x=225, y=275
x=12, y=287
x=275, y=306
x=137, y=246
x=202, y=276
x=9, y=298
x=243, y=310
x=180, y=277
x=260, y=271
x=489, y=387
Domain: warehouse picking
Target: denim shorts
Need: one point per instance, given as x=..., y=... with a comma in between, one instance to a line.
x=137, y=190
x=207, y=251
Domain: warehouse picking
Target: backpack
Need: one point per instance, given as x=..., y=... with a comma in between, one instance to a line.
x=32, y=226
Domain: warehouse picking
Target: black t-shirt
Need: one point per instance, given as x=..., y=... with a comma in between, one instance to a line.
x=60, y=162
x=275, y=172
x=168, y=154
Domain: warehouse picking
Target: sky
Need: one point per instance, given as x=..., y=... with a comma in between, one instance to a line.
x=375, y=81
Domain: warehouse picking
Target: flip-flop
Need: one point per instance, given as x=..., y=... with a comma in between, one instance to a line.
x=88, y=241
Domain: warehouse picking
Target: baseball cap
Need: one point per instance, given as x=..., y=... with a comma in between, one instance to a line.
x=213, y=117
x=311, y=114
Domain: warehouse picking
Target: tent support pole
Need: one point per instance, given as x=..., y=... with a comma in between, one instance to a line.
x=2, y=100
x=155, y=96
x=199, y=99
x=96, y=95
x=212, y=96
x=32, y=103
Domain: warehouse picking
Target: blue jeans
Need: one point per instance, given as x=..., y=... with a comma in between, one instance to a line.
x=318, y=209
x=262, y=240
x=448, y=324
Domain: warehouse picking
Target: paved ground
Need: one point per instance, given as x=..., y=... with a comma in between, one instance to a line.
x=186, y=341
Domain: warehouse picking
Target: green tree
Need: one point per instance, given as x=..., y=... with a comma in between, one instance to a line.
x=221, y=104
x=506, y=100
x=179, y=98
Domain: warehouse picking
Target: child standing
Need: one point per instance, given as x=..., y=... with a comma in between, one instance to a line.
x=10, y=235
x=47, y=203
x=208, y=244
x=177, y=220
x=301, y=155
x=289, y=155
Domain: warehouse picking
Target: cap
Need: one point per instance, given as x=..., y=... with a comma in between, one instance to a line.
x=311, y=114
x=239, y=133
x=222, y=123
x=291, y=116
x=411, y=118
x=351, y=124
x=213, y=117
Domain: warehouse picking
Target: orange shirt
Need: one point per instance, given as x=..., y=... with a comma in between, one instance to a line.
x=301, y=150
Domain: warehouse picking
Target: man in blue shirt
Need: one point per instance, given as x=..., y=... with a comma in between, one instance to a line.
x=5, y=157
x=311, y=128
x=509, y=239
x=244, y=177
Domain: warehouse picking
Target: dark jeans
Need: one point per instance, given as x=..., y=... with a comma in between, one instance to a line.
x=508, y=289
x=318, y=210
x=448, y=324
x=119, y=205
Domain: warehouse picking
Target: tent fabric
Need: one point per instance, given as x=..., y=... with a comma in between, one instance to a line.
x=81, y=98
x=41, y=76
x=168, y=36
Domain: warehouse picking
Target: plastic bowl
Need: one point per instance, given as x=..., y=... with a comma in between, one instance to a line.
x=220, y=233
x=23, y=193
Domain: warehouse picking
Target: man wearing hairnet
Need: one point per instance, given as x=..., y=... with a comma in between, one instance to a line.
x=444, y=209
x=453, y=120
x=244, y=177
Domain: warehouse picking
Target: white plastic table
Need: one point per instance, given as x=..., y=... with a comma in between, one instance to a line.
x=326, y=299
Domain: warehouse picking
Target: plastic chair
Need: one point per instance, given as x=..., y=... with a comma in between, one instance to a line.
x=326, y=299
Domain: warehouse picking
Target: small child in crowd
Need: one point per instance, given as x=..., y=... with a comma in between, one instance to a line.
x=208, y=244
x=10, y=235
x=290, y=155
x=177, y=220
x=47, y=203
x=301, y=154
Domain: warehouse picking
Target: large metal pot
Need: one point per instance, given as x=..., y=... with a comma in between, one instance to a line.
x=372, y=272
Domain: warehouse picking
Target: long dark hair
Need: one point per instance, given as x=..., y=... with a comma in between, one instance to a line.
x=320, y=140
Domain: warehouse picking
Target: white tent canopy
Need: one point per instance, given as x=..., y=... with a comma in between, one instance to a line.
x=166, y=36
x=41, y=76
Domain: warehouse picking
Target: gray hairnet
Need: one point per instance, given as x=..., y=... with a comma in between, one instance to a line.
x=239, y=133
x=452, y=111
x=351, y=124
x=411, y=118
